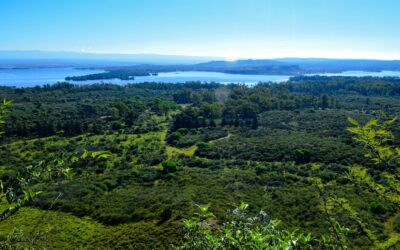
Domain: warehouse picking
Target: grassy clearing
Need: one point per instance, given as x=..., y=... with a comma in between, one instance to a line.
x=58, y=230
x=172, y=151
x=52, y=229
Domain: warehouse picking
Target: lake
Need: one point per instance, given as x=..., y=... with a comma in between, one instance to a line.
x=41, y=76
x=201, y=76
x=172, y=77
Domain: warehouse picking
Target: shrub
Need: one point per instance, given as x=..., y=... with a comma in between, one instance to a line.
x=397, y=223
x=260, y=169
x=173, y=138
x=169, y=166
x=377, y=208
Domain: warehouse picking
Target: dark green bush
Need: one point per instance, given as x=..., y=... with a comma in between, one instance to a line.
x=169, y=166
x=377, y=208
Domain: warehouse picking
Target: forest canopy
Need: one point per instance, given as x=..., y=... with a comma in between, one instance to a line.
x=130, y=166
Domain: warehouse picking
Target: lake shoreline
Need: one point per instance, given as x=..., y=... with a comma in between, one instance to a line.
x=23, y=78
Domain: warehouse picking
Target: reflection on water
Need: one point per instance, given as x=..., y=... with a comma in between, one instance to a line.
x=41, y=76
x=200, y=76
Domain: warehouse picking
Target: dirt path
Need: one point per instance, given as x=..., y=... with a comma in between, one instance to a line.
x=222, y=138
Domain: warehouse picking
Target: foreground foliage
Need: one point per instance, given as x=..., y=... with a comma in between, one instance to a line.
x=244, y=231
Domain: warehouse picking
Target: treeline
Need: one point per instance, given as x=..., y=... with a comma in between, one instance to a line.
x=96, y=118
x=245, y=104
x=369, y=86
x=241, y=106
x=70, y=87
x=114, y=74
x=69, y=109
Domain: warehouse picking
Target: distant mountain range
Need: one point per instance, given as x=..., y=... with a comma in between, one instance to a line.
x=323, y=65
x=296, y=66
x=142, y=64
x=32, y=58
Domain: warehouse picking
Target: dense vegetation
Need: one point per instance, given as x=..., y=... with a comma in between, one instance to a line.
x=127, y=166
x=112, y=74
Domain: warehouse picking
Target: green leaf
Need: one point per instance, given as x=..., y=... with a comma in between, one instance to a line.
x=353, y=121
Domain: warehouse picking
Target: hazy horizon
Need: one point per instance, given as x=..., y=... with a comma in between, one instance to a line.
x=149, y=54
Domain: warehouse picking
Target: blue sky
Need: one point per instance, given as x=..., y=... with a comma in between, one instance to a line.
x=228, y=28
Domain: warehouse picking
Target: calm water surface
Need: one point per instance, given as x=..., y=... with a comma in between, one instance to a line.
x=41, y=76
x=187, y=76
